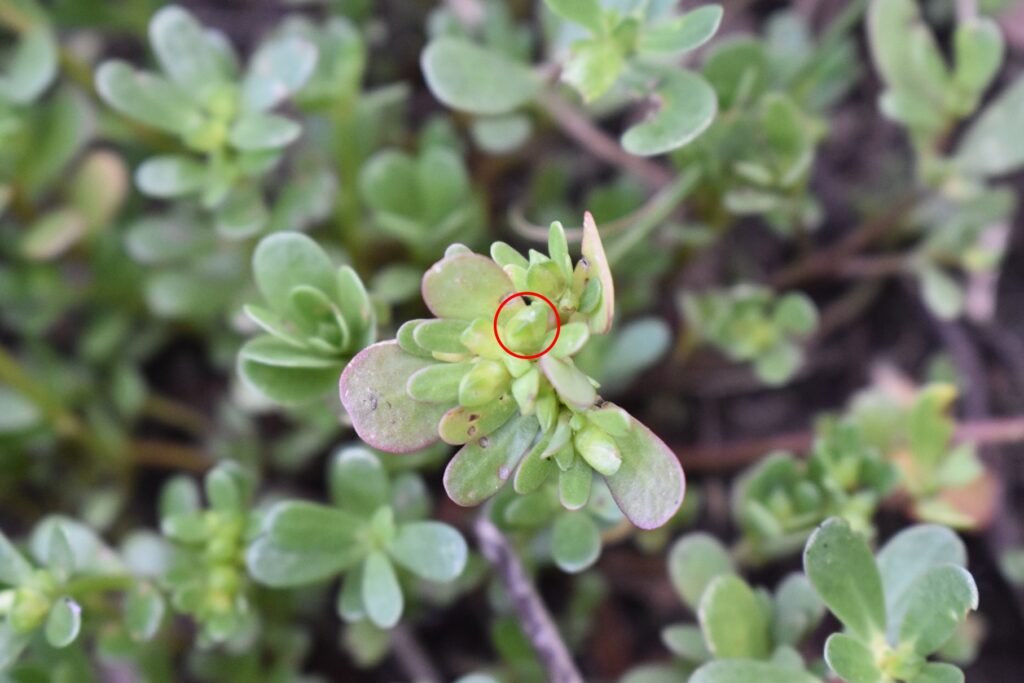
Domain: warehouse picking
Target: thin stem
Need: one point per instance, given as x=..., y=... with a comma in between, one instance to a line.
x=411, y=656
x=657, y=210
x=175, y=414
x=600, y=144
x=533, y=615
x=727, y=456
x=98, y=583
x=168, y=455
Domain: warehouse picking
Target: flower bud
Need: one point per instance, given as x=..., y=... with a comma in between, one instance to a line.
x=599, y=450
x=526, y=330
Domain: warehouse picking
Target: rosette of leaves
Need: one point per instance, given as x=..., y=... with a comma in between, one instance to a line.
x=517, y=418
x=736, y=623
x=780, y=500
x=571, y=538
x=898, y=607
x=756, y=157
x=222, y=117
x=947, y=481
x=750, y=324
x=632, y=48
x=207, y=579
x=374, y=527
x=315, y=318
x=924, y=92
x=425, y=201
x=44, y=596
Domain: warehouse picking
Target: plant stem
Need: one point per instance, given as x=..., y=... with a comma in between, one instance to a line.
x=168, y=455
x=540, y=629
x=600, y=144
x=98, y=583
x=654, y=213
x=736, y=454
x=413, y=659
x=176, y=414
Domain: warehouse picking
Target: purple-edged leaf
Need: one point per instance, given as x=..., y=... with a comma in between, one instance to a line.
x=650, y=483
x=465, y=287
x=372, y=389
x=481, y=468
x=593, y=252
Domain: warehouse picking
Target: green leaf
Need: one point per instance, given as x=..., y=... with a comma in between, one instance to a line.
x=574, y=481
x=228, y=487
x=259, y=131
x=14, y=568
x=934, y=672
x=17, y=414
x=795, y=313
x=593, y=252
x=243, y=213
x=778, y=364
x=686, y=641
x=681, y=34
x=465, y=76
x=908, y=556
x=572, y=386
x=737, y=69
x=687, y=107
x=852, y=660
x=64, y=623
x=798, y=610
x=978, y=46
x=839, y=563
x=31, y=67
x=60, y=558
x=267, y=350
x=586, y=13
x=170, y=176
x=430, y=550
x=733, y=620
x=278, y=70
x=185, y=51
x=650, y=484
x=462, y=425
x=992, y=145
x=372, y=389
x=143, y=612
x=287, y=385
x=356, y=308
x=479, y=469
x=12, y=644
x=440, y=336
x=655, y=673
x=575, y=541
x=501, y=134
x=942, y=294
x=350, y=597
x=465, y=287
x=303, y=543
x=358, y=482
x=594, y=67
x=285, y=260
x=437, y=383
x=936, y=602
x=693, y=562
x=146, y=97
x=53, y=234
x=382, y=596
x=743, y=671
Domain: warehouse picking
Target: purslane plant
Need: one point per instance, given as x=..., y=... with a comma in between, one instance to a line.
x=374, y=525
x=898, y=607
x=215, y=112
x=315, y=318
x=516, y=404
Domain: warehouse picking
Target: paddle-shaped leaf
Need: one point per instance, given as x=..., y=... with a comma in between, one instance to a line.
x=650, y=483
x=693, y=562
x=479, y=469
x=852, y=660
x=465, y=287
x=936, y=603
x=733, y=620
x=687, y=107
x=431, y=550
x=467, y=76
x=839, y=564
x=372, y=389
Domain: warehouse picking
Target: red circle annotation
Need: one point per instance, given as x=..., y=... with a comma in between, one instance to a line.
x=558, y=324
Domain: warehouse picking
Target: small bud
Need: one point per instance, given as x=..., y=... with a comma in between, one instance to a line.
x=525, y=332
x=599, y=450
x=486, y=381
x=546, y=279
x=29, y=610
